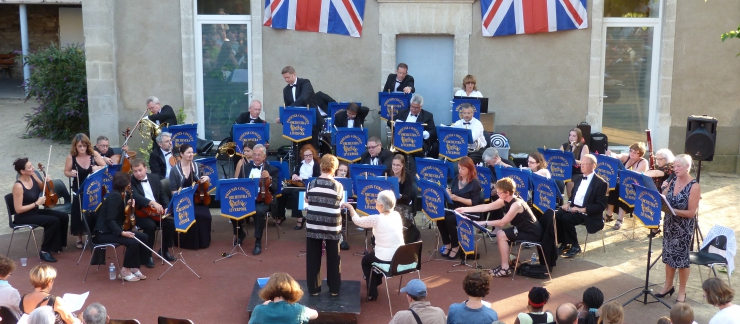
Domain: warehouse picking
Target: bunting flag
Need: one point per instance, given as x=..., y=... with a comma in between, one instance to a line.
x=257, y=132
x=238, y=197
x=559, y=163
x=183, y=134
x=342, y=17
x=509, y=17
x=182, y=208
x=648, y=205
x=391, y=103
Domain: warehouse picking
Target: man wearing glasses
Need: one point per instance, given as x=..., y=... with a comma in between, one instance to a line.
x=376, y=154
x=106, y=152
x=352, y=117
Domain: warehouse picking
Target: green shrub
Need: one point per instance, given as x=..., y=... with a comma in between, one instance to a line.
x=59, y=84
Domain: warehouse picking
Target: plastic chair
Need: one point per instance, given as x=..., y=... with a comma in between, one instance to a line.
x=14, y=227
x=170, y=320
x=95, y=246
x=715, y=249
x=124, y=321
x=407, y=259
x=8, y=316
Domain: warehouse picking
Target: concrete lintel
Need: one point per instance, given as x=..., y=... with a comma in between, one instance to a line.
x=49, y=2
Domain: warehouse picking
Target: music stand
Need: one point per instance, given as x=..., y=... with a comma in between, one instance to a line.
x=475, y=225
x=240, y=189
x=179, y=258
x=184, y=196
x=642, y=213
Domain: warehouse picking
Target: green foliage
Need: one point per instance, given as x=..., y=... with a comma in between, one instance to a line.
x=181, y=116
x=59, y=83
x=144, y=151
x=731, y=34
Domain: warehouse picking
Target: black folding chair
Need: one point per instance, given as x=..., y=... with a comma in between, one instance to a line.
x=96, y=246
x=170, y=320
x=14, y=227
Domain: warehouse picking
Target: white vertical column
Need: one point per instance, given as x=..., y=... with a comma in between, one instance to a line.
x=24, y=41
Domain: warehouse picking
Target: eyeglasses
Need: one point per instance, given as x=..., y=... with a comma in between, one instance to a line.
x=660, y=159
x=305, y=155
x=531, y=162
x=372, y=147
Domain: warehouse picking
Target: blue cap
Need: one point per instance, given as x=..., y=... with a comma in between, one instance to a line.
x=415, y=288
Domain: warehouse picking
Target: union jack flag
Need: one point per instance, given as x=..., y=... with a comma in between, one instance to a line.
x=508, y=17
x=343, y=17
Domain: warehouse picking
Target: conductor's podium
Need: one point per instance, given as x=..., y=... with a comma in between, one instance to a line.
x=344, y=308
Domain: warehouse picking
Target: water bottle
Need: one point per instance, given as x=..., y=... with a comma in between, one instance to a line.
x=112, y=271
x=534, y=259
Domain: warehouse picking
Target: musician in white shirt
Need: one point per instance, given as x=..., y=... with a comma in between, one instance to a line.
x=468, y=121
x=469, y=89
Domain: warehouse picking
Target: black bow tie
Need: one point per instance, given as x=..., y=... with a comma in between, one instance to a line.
x=292, y=85
x=466, y=123
x=167, y=153
x=145, y=180
x=585, y=177
x=257, y=166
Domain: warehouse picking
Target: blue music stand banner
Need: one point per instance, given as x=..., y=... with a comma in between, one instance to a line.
x=91, y=190
x=521, y=178
x=367, y=192
x=210, y=169
x=359, y=170
x=608, y=168
x=257, y=132
x=408, y=137
x=283, y=173
x=648, y=204
x=350, y=143
x=297, y=123
x=545, y=193
x=456, y=109
x=184, y=134
x=433, y=197
x=110, y=171
x=390, y=100
x=485, y=177
x=559, y=163
x=433, y=170
x=627, y=178
x=347, y=185
x=453, y=142
x=465, y=234
x=182, y=208
x=238, y=197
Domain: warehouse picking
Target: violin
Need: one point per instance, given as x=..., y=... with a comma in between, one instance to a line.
x=125, y=162
x=264, y=195
x=51, y=197
x=149, y=212
x=202, y=196
x=129, y=220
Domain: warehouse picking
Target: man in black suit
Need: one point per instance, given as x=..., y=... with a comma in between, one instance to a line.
x=376, y=154
x=251, y=116
x=416, y=114
x=353, y=116
x=401, y=81
x=585, y=207
x=258, y=168
x=160, y=115
x=297, y=92
x=159, y=156
x=148, y=192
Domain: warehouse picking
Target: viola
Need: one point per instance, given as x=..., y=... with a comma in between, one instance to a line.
x=51, y=197
x=149, y=212
x=129, y=220
x=202, y=197
x=264, y=195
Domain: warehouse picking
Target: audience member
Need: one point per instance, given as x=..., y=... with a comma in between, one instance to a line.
x=9, y=296
x=537, y=298
x=419, y=307
x=42, y=315
x=42, y=278
x=476, y=285
x=588, y=309
x=719, y=294
x=681, y=313
x=95, y=314
x=566, y=314
x=612, y=313
x=664, y=320
x=281, y=295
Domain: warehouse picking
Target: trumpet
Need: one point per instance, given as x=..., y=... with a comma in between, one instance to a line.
x=229, y=149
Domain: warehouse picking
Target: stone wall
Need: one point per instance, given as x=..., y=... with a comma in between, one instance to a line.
x=43, y=29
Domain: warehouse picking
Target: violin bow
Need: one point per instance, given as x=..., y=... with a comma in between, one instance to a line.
x=125, y=142
x=47, y=171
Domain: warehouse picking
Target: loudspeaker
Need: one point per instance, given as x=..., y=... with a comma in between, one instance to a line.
x=586, y=132
x=599, y=143
x=701, y=136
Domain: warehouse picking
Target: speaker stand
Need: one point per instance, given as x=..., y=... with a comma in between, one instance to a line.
x=698, y=236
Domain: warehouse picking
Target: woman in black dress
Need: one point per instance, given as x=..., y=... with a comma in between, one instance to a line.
x=405, y=180
x=465, y=191
x=183, y=175
x=683, y=193
x=81, y=161
x=26, y=202
x=580, y=149
x=524, y=225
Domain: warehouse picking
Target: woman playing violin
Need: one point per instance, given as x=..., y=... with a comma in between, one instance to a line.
x=246, y=158
x=183, y=175
x=26, y=202
x=81, y=162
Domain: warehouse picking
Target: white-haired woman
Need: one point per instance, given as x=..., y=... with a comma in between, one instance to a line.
x=388, y=231
x=663, y=171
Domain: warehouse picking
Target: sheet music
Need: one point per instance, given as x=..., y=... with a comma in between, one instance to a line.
x=666, y=206
x=74, y=302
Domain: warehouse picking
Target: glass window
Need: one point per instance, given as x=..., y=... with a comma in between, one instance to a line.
x=223, y=7
x=628, y=64
x=632, y=8
x=225, y=77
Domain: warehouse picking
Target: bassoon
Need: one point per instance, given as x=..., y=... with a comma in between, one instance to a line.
x=650, y=149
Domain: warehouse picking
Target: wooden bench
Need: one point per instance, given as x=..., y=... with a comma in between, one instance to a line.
x=7, y=61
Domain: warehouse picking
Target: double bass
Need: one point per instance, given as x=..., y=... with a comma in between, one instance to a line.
x=51, y=197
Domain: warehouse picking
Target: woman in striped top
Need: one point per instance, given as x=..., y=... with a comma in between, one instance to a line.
x=324, y=224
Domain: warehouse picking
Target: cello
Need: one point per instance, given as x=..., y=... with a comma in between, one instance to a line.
x=51, y=197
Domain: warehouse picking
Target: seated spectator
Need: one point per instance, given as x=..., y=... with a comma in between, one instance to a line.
x=588, y=309
x=537, y=298
x=42, y=278
x=664, y=320
x=416, y=295
x=476, y=285
x=9, y=296
x=95, y=314
x=681, y=313
x=281, y=295
x=719, y=294
x=566, y=314
x=342, y=170
x=42, y=315
x=612, y=313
